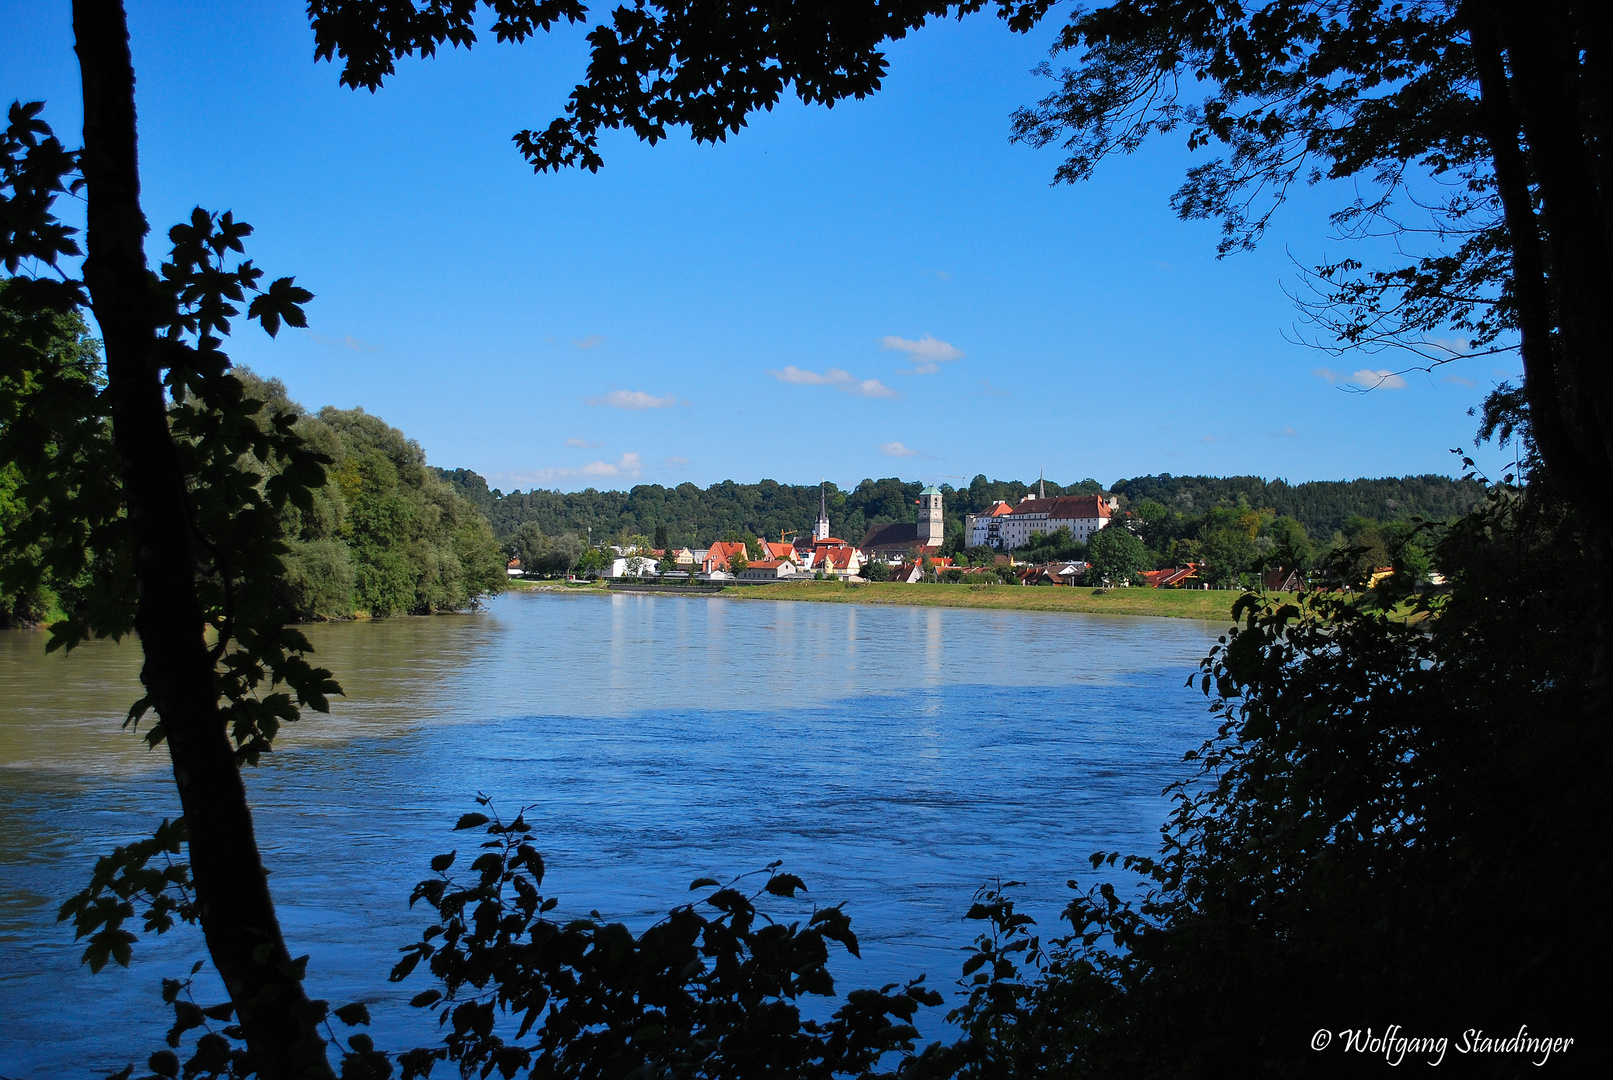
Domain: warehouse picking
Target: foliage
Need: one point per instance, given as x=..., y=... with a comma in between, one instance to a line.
x=1382, y=795
x=712, y=990
x=56, y=447
x=1117, y=555
x=1056, y=546
x=384, y=534
x=877, y=570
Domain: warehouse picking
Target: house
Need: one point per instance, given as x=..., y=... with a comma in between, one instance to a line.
x=986, y=528
x=719, y=555
x=1181, y=577
x=637, y=566
x=513, y=568
x=767, y=570
x=836, y=558
x=1278, y=579
x=900, y=540
x=1083, y=515
x=782, y=549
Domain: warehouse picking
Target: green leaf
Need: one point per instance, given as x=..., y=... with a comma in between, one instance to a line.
x=785, y=885
x=282, y=301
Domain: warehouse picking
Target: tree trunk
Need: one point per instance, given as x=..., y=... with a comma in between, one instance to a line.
x=1540, y=103
x=232, y=893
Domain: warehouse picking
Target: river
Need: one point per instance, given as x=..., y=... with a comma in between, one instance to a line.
x=895, y=758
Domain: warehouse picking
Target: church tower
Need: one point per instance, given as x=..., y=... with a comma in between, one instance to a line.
x=931, y=527
x=820, y=531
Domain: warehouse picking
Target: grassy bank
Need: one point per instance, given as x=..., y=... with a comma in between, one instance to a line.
x=1213, y=605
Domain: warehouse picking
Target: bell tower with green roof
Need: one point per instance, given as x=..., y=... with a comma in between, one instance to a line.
x=932, y=530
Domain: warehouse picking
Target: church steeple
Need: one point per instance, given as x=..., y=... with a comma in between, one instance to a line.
x=820, y=531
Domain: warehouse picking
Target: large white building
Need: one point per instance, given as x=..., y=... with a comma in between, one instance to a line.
x=1007, y=526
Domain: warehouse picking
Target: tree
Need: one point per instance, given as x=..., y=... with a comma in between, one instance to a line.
x=877, y=570
x=529, y=544
x=661, y=541
x=1117, y=555
x=560, y=554
x=1499, y=107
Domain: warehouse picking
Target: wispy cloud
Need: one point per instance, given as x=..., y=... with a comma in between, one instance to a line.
x=988, y=390
x=592, y=341
x=1457, y=380
x=1285, y=433
x=1384, y=379
x=1209, y=438
x=583, y=444
x=842, y=380
x=926, y=354
x=943, y=275
x=634, y=399
x=629, y=465
x=1365, y=379
x=896, y=449
x=346, y=341
x=676, y=462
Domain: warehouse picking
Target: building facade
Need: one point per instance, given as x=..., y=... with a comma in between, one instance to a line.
x=1006, y=526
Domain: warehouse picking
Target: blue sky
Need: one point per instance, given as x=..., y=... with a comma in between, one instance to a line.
x=888, y=287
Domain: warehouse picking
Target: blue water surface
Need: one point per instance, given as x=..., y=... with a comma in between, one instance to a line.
x=895, y=758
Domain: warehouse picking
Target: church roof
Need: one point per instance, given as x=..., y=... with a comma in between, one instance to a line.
x=931, y=490
x=897, y=534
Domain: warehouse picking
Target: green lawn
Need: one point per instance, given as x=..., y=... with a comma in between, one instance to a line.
x=1214, y=605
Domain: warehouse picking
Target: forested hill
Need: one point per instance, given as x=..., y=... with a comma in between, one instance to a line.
x=1324, y=507
x=695, y=516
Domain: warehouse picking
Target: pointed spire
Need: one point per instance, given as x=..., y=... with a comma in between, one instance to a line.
x=1041, y=485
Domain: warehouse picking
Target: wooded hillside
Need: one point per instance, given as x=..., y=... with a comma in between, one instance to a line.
x=694, y=516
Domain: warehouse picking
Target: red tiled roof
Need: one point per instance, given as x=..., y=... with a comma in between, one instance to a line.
x=1067, y=507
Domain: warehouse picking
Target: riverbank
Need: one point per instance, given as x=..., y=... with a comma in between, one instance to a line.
x=1213, y=605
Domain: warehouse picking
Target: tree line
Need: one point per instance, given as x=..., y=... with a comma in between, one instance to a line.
x=691, y=516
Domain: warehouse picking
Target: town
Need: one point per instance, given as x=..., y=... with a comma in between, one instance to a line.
x=910, y=552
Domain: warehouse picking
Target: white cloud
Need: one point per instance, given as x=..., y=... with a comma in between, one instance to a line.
x=1285, y=433
x=802, y=377
x=677, y=462
x=1365, y=379
x=1209, y=438
x=988, y=390
x=592, y=341
x=896, y=449
x=872, y=388
x=926, y=354
x=1457, y=380
x=347, y=341
x=836, y=377
x=1383, y=379
x=634, y=399
x=583, y=444
x=629, y=465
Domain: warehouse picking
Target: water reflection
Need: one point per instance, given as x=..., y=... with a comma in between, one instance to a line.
x=894, y=757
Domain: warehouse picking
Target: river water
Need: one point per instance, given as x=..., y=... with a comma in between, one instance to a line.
x=895, y=758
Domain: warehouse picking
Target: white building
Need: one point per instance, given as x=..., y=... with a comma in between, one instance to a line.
x=1007, y=527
